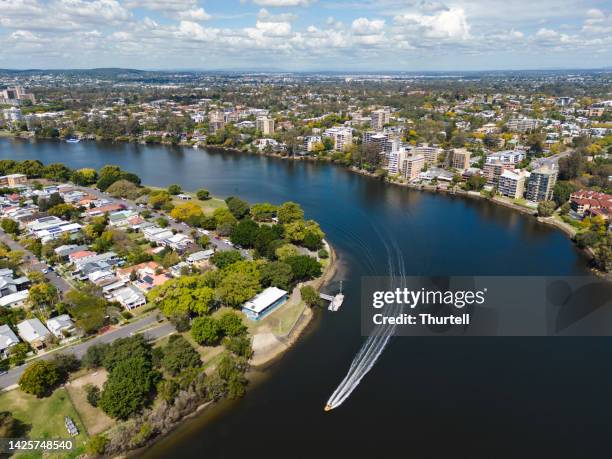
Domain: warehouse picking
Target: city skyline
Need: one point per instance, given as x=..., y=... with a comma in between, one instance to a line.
x=305, y=35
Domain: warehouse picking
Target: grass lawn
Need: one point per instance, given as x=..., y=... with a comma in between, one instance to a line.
x=207, y=206
x=280, y=320
x=95, y=420
x=45, y=416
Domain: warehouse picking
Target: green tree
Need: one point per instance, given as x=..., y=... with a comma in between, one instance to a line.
x=203, y=194
x=244, y=233
x=546, y=208
x=186, y=294
x=310, y=296
x=96, y=445
x=304, y=267
x=85, y=176
x=128, y=387
x=178, y=355
x=289, y=212
x=223, y=259
x=175, y=189
x=42, y=295
x=88, y=310
x=231, y=324
x=206, y=331
x=9, y=226
x=93, y=394
x=276, y=274
x=263, y=212
x=159, y=198
x=39, y=378
x=237, y=207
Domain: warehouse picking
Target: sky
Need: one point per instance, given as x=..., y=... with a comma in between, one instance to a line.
x=364, y=35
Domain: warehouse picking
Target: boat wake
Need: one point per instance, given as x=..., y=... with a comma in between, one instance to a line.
x=378, y=339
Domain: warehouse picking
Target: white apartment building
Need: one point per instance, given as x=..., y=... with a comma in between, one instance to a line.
x=379, y=118
x=512, y=184
x=430, y=153
x=522, y=124
x=412, y=166
x=342, y=137
x=310, y=141
x=265, y=125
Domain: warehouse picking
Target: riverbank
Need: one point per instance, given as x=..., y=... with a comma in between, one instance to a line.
x=269, y=347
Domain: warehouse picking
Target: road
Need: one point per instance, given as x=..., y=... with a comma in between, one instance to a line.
x=539, y=162
x=35, y=264
x=12, y=376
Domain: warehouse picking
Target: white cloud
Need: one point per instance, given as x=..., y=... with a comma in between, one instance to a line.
x=196, y=14
x=450, y=24
x=364, y=26
x=265, y=16
x=281, y=3
x=163, y=5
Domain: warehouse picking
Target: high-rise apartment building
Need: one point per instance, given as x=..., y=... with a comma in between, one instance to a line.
x=541, y=183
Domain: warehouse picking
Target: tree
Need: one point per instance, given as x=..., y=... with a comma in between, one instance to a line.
x=546, y=208
x=10, y=226
x=223, y=259
x=240, y=283
x=39, y=378
x=175, y=189
x=88, y=310
x=124, y=189
x=128, y=387
x=170, y=259
x=53, y=200
x=562, y=192
x=97, y=445
x=186, y=211
x=285, y=251
x=206, y=331
x=225, y=221
x=42, y=295
x=93, y=394
x=159, y=198
x=186, y=294
x=203, y=194
x=231, y=324
x=239, y=345
x=11, y=427
x=204, y=241
x=65, y=211
x=304, y=267
x=94, y=356
x=244, y=233
x=310, y=296
x=66, y=364
x=178, y=355
x=263, y=212
x=289, y=212
x=276, y=274
x=57, y=172
x=85, y=176
x=237, y=207
x=570, y=167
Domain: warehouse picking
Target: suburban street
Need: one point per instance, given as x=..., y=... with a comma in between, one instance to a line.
x=178, y=226
x=35, y=264
x=155, y=332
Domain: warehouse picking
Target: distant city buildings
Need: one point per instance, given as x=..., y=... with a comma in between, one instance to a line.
x=15, y=95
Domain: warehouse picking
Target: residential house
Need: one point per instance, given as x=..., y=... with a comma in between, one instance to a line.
x=61, y=325
x=264, y=303
x=7, y=340
x=129, y=297
x=33, y=332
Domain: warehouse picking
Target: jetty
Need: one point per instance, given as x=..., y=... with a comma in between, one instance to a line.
x=335, y=301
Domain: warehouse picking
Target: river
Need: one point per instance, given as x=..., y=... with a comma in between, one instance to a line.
x=475, y=397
